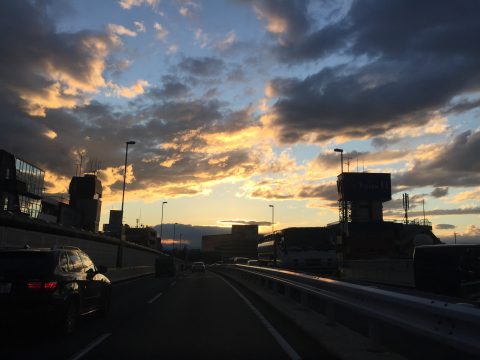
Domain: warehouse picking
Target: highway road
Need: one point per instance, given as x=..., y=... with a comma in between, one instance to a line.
x=193, y=316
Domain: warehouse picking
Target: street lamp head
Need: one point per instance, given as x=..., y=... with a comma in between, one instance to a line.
x=338, y=150
x=164, y=202
x=130, y=142
x=270, y=206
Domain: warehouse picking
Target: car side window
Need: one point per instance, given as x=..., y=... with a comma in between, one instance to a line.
x=75, y=263
x=87, y=262
x=63, y=262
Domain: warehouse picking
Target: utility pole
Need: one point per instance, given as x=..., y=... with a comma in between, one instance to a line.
x=423, y=205
x=406, y=206
x=455, y=236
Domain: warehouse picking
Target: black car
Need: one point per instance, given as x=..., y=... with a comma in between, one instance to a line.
x=60, y=284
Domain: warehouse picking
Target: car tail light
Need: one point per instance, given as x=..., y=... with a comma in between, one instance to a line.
x=38, y=285
x=50, y=285
x=34, y=285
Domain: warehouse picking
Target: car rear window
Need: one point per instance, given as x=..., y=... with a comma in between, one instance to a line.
x=27, y=263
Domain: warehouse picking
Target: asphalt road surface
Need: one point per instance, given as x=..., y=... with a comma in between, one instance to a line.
x=194, y=316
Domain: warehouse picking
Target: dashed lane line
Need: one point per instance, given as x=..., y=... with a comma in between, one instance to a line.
x=154, y=298
x=90, y=346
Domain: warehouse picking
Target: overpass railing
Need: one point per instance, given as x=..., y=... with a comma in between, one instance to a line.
x=438, y=323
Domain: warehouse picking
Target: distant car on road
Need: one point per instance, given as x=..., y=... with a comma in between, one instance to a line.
x=198, y=266
x=240, y=260
x=253, y=262
x=60, y=284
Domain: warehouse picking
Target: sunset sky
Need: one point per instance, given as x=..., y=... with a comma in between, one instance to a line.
x=238, y=104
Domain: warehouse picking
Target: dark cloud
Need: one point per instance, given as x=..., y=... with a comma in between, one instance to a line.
x=43, y=68
x=444, y=226
x=439, y=192
x=246, y=222
x=458, y=164
x=202, y=66
x=324, y=191
x=172, y=88
x=437, y=212
x=419, y=56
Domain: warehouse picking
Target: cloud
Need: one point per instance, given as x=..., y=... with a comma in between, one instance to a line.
x=453, y=164
x=439, y=192
x=396, y=72
x=438, y=212
x=444, y=226
x=128, y=4
x=201, y=37
x=173, y=87
x=287, y=19
x=140, y=26
x=226, y=42
x=202, y=66
x=120, y=30
x=160, y=31
x=172, y=49
x=128, y=92
x=46, y=69
x=245, y=222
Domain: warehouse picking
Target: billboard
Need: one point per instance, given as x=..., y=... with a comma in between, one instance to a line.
x=364, y=186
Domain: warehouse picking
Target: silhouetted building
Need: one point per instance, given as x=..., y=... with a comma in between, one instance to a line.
x=114, y=226
x=86, y=197
x=242, y=242
x=213, y=242
x=146, y=236
x=363, y=234
x=21, y=185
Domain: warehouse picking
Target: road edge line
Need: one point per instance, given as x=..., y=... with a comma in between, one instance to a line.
x=276, y=335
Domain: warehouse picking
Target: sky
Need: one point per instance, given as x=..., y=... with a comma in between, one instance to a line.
x=236, y=105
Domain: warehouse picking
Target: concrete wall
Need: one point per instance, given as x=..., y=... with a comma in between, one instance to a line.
x=103, y=251
x=387, y=271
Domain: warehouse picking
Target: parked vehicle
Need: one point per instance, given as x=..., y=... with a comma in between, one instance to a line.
x=198, y=266
x=305, y=248
x=60, y=284
x=253, y=263
x=452, y=270
x=240, y=260
x=164, y=265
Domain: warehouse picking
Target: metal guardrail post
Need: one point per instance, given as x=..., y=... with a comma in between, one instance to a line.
x=374, y=332
x=330, y=313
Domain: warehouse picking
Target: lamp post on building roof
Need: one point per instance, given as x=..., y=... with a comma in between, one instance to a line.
x=341, y=158
x=273, y=215
x=122, y=234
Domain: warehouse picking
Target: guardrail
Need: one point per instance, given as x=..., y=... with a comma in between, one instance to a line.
x=439, y=324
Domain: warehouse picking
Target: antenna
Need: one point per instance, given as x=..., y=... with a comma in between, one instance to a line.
x=363, y=165
x=357, y=163
x=348, y=163
x=423, y=205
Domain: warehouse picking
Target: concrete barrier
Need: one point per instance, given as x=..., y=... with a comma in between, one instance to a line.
x=102, y=249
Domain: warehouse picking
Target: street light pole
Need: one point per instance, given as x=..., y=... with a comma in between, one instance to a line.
x=122, y=234
x=161, y=221
x=273, y=215
x=174, y=236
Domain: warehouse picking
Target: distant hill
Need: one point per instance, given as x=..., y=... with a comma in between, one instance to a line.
x=191, y=233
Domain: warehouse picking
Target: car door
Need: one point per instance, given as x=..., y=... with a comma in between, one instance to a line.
x=92, y=280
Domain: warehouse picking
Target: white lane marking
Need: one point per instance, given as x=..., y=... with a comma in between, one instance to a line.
x=173, y=283
x=279, y=338
x=90, y=346
x=154, y=298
